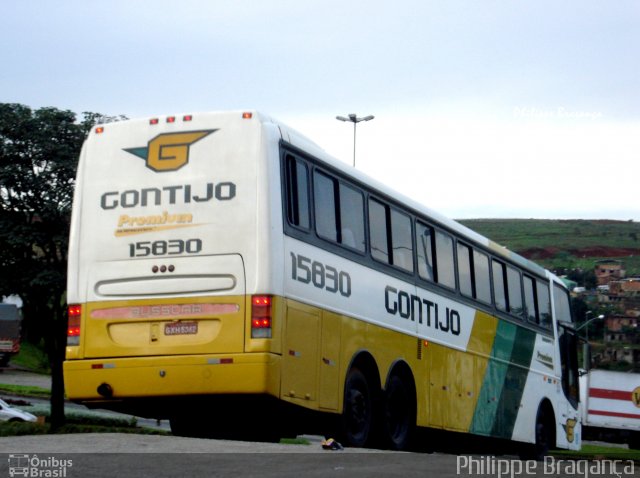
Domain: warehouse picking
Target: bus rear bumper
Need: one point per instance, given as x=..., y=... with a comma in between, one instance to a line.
x=131, y=378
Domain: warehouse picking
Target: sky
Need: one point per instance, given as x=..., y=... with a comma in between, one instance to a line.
x=483, y=108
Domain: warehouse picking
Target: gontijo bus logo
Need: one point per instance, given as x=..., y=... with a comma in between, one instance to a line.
x=169, y=151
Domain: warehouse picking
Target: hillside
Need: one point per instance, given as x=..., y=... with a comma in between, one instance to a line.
x=565, y=243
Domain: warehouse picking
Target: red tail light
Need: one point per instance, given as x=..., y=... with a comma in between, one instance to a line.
x=261, y=317
x=73, y=324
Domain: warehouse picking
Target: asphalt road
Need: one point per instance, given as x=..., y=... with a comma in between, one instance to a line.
x=124, y=455
x=149, y=455
x=103, y=455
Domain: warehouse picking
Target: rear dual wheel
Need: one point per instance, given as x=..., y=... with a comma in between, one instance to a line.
x=399, y=413
x=358, y=411
x=367, y=421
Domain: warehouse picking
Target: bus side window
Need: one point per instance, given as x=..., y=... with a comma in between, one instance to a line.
x=499, y=285
x=401, y=240
x=352, y=218
x=390, y=233
x=473, y=274
x=424, y=242
x=481, y=277
x=561, y=304
x=544, y=304
x=530, y=300
x=298, y=192
x=445, y=266
x=324, y=198
x=464, y=270
x=378, y=231
x=514, y=292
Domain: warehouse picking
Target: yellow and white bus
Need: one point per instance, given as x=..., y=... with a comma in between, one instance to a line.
x=228, y=274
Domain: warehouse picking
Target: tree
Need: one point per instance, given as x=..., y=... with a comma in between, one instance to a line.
x=39, y=152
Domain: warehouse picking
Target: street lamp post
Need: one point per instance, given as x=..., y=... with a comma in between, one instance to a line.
x=355, y=120
x=586, y=324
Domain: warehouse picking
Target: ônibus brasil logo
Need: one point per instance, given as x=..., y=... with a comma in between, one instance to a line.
x=169, y=151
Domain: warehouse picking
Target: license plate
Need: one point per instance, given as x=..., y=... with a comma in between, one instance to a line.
x=181, y=328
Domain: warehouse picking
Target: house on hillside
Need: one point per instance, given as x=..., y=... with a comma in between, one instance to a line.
x=608, y=270
x=623, y=294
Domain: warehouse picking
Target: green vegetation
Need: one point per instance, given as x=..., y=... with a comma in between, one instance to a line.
x=77, y=421
x=519, y=234
x=84, y=417
x=568, y=244
x=32, y=357
x=27, y=428
x=295, y=441
x=597, y=452
x=25, y=390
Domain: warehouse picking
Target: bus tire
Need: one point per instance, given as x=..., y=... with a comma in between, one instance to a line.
x=358, y=413
x=545, y=432
x=399, y=413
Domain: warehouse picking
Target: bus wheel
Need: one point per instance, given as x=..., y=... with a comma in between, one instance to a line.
x=545, y=433
x=399, y=413
x=357, y=415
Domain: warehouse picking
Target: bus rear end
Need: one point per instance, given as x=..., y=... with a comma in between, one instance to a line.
x=163, y=264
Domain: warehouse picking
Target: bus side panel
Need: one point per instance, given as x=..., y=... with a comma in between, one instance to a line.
x=300, y=353
x=328, y=394
x=500, y=400
x=456, y=377
x=311, y=357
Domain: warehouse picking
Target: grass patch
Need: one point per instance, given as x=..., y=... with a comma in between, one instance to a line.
x=597, y=452
x=8, y=429
x=32, y=357
x=77, y=421
x=566, y=237
x=295, y=441
x=84, y=417
x=25, y=390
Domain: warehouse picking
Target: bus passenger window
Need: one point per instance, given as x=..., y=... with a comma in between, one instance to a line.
x=561, y=304
x=464, y=270
x=481, y=276
x=378, y=229
x=298, y=193
x=544, y=304
x=351, y=218
x=514, y=290
x=499, y=286
x=401, y=240
x=530, y=299
x=424, y=243
x=324, y=197
x=445, y=269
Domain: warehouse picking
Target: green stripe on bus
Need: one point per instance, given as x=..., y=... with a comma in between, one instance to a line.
x=487, y=404
x=514, y=383
x=499, y=401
